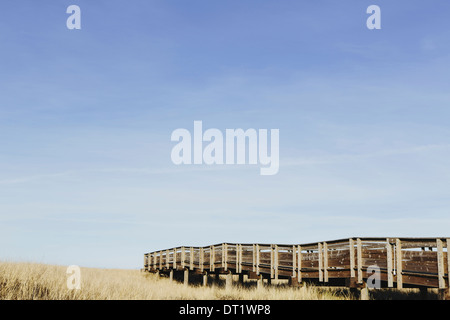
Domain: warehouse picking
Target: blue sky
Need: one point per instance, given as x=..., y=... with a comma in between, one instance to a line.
x=86, y=118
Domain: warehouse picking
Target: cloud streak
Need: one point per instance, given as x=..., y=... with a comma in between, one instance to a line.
x=345, y=158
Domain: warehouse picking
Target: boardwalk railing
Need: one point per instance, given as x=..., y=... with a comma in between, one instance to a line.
x=402, y=262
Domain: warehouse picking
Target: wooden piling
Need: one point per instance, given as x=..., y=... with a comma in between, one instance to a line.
x=205, y=279
x=229, y=281
x=186, y=277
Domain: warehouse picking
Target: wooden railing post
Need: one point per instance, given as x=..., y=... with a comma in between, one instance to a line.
x=352, y=257
x=237, y=257
x=183, y=257
x=174, y=256
x=223, y=256
x=276, y=261
x=440, y=263
x=153, y=260
x=399, y=267
x=271, y=261
x=390, y=274
x=212, y=258
x=202, y=258
x=254, y=258
x=319, y=250
x=359, y=260
x=258, y=259
x=241, y=256
x=167, y=259
x=325, y=261
x=448, y=262
x=294, y=260
x=225, y=253
x=299, y=264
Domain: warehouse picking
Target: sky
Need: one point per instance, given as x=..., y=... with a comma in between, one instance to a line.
x=86, y=117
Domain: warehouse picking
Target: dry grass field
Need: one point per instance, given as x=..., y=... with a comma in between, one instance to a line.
x=32, y=281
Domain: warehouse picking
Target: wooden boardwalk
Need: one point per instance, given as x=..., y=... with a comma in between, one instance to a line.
x=402, y=262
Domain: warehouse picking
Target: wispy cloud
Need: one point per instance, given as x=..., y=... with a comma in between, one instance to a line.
x=343, y=158
x=35, y=177
x=131, y=171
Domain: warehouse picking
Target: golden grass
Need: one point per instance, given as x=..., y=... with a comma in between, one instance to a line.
x=33, y=281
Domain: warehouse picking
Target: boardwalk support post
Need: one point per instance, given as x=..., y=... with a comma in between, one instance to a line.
x=241, y=278
x=260, y=282
x=423, y=294
x=229, y=281
x=443, y=294
x=205, y=279
x=186, y=277
x=364, y=293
